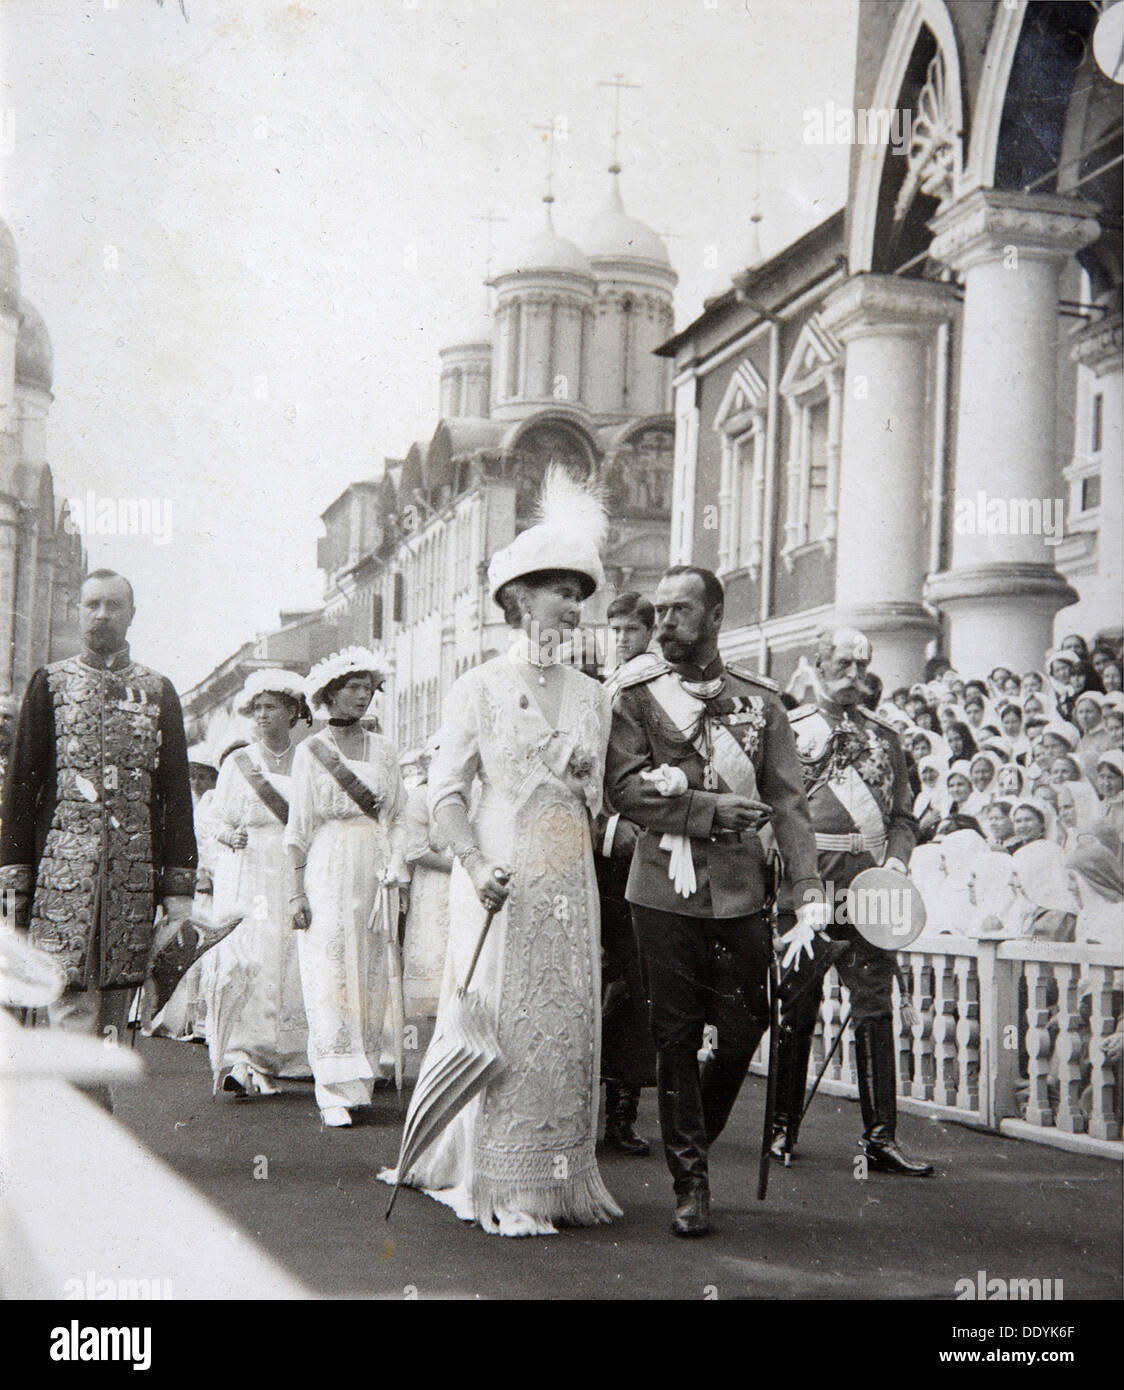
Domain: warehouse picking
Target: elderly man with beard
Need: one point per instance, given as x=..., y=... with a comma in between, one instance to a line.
x=700, y=755
x=97, y=819
x=857, y=787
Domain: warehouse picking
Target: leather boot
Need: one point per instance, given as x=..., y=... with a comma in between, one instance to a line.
x=684, y=1137
x=792, y=1080
x=621, y=1103
x=874, y=1060
x=721, y=1080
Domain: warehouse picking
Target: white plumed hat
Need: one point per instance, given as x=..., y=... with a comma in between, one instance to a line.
x=351, y=661
x=570, y=532
x=274, y=681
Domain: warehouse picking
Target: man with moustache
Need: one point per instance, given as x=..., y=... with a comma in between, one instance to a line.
x=858, y=790
x=97, y=817
x=700, y=754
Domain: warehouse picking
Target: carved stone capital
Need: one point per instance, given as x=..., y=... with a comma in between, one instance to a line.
x=869, y=304
x=982, y=226
x=1099, y=345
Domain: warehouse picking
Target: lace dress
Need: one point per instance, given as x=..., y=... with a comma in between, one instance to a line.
x=255, y=970
x=525, y=1145
x=343, y=953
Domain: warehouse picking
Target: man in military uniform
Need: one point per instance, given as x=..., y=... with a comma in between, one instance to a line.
x=700, y=755
x=97, y=820
x=858, y=789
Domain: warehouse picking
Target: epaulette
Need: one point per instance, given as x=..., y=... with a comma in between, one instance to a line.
x=639, y=671
x=755, y=676
x=801, y=712
x=880, y=720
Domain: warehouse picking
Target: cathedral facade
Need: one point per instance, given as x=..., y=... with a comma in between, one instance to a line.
x=910, y=419
x=563, y=371
x=42, y=563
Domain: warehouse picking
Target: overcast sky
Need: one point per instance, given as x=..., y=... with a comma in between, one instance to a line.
x=249, y=233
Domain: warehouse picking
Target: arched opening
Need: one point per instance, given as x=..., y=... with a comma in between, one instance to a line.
x=544, y=443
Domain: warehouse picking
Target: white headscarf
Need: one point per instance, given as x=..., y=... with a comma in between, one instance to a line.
x=1043, y=881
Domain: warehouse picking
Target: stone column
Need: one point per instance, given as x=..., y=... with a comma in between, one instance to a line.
x=1002, y=590
x=887, y=324
x=1100, y=348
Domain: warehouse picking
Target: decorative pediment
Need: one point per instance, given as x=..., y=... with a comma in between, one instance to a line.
x=817, y=353
x=746, y=390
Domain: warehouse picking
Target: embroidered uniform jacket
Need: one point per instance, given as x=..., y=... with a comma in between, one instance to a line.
x=97, y=816
x=732, y=878
x=835, y=746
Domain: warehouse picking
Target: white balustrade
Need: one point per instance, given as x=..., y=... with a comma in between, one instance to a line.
x=1006, y=1034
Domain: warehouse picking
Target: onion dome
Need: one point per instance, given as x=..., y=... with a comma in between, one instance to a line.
x=34, y=358
x=9, y=271
x=546, y=251
x=614, y=235
x=471, y=333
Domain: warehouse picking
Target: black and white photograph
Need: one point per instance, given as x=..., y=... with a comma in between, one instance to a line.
x=561, y=698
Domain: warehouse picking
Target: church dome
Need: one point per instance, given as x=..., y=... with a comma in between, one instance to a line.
x=470, y=332
x=9, y=271
x=34, y=358
x=546, y=251
x=614, y=235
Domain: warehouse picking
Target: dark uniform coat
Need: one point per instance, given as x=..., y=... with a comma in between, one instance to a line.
x=97, y=817
x=835, y=746
x=732, y=878
x=856, y=782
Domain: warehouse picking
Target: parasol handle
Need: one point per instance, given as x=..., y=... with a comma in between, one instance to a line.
x=500, y=877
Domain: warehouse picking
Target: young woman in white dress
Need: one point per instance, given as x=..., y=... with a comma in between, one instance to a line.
x=345, y=840
x=254, y=974
x=533, y=729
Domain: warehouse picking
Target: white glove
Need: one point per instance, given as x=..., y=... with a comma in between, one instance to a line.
x=667, y=780
x=681, y=867
x=810, y=918
x=895, y=864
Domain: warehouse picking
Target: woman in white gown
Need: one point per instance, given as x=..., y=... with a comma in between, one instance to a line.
x=345, y=840
x=254, y=993
x=427, y=921
x=520, y=1155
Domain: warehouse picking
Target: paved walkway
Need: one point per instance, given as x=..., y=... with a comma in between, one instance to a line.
x=309, y=1196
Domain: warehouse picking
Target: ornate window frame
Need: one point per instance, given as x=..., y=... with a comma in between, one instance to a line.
x=814, y=375
x=742, y=420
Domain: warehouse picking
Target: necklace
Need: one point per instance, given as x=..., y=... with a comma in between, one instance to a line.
x=522, y=650
x=277, y=758
x=339, y=746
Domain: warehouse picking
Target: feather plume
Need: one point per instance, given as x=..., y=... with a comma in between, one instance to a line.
x=575, y=506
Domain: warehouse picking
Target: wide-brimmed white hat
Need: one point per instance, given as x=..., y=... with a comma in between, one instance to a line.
x=351, y=661
x=570, y=532
x=273, y=681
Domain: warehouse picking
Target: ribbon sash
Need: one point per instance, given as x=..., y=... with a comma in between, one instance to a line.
x=725, y=754
x=347, y=781
x=261, y=786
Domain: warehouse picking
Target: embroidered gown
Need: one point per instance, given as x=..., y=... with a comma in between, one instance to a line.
x=342, y=961
x=255, y=970
x=526, y=1143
